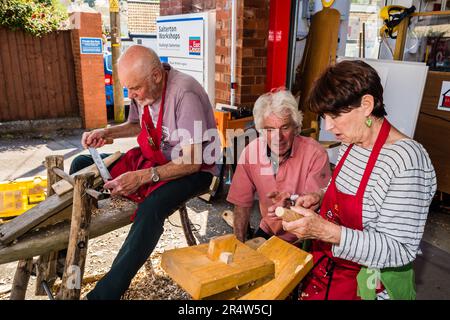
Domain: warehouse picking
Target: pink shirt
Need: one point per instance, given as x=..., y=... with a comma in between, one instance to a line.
x=307, y=169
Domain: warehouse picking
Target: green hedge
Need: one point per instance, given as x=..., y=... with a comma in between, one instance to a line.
x=36, y=17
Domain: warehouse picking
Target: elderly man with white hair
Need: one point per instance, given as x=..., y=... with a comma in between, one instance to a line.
x=276, y=166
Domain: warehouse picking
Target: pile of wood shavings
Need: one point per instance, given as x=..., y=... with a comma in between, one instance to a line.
x=150, y=283
x=114, y=203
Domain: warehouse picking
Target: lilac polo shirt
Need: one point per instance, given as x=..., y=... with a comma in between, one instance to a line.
x=188, y=118
x=307, y=169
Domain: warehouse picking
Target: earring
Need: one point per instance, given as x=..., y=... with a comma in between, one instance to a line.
x=368, y=122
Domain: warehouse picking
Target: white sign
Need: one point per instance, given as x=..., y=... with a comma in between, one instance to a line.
x=187, y=43
x=444, y=98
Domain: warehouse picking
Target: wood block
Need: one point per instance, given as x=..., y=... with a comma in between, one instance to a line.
x=287, y=215
x=291, y=266
x=202, y=278
x=218, y=245
x=255, y=243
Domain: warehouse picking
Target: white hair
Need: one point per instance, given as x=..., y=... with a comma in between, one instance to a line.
x=281, y=103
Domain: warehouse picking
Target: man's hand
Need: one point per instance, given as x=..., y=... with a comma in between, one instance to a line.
x=95, y=138
x=279, y=199
x=313, y=226
x=126, y=183
x=309, y=201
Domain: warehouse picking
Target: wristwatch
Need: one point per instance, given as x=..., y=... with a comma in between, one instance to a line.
x=155, y=175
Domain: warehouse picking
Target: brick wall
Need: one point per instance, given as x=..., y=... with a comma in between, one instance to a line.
x=89, y=72
x=251, y=55
x=170, y=7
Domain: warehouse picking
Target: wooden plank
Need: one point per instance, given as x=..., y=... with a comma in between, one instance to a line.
x=401, y=39
x=78, y=238
x=430, y=132
x=42, y=84
x=57, y=87
x=24, y=74
x=51, y=108
x=70, y=67
x=56, y=237
x=63, y=186
x=30, y=44
x=201, y=277
x=4, y=105
x=291, y=266
x=46, y=264
x=63, y=80
x=431, y=13
x=432, y=94
x=16, y=77
x=10, y=113
x=21, y=277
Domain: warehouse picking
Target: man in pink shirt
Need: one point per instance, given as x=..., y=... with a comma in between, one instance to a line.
x=278, y=164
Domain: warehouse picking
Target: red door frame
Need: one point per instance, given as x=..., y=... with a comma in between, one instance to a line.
x=278, y=43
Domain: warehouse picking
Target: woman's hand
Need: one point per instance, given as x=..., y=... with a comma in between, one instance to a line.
x=313, y=226
x=309, y=201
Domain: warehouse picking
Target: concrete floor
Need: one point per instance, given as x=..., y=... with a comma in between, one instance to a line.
x=23, y=156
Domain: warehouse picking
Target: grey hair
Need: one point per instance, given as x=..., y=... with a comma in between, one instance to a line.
x=281, y=103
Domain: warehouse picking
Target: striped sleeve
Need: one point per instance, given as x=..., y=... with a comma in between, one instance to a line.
x=394, y=238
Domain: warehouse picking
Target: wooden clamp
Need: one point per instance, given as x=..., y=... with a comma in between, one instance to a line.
x=287, y=215
x=63, y=186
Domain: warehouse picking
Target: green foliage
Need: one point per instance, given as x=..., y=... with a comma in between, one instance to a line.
x=36, y=17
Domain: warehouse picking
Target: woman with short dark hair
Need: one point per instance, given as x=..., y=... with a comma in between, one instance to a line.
x=373, y=212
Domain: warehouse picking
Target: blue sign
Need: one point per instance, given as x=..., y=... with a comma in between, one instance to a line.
x=91, y=45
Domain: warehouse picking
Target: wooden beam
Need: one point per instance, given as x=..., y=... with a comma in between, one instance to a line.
x=56, y=237
x=78, y=239
x=21, y=277
x=401, y=39
x=46, y=264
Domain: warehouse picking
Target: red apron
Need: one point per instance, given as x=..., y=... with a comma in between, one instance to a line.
x=331, y=277
x=147, y=155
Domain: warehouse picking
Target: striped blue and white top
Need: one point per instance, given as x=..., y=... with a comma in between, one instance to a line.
x=395, y=204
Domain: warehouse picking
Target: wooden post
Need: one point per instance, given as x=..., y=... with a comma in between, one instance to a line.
x=21, y=277
x=46, y=264
x=114, y=16
x=401, y=39
x=78, y=239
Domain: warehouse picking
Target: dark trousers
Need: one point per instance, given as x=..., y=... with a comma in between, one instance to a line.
x=146, y=231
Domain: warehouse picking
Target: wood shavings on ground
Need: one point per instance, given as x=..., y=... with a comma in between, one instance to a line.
x=150, y=283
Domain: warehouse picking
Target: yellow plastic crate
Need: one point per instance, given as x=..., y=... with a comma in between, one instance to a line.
x=20, y=195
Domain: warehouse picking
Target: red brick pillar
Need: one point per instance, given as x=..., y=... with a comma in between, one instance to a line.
x=89, y=71
x=252, y=31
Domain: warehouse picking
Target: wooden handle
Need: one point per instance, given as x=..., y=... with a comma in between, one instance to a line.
x=287, y=215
